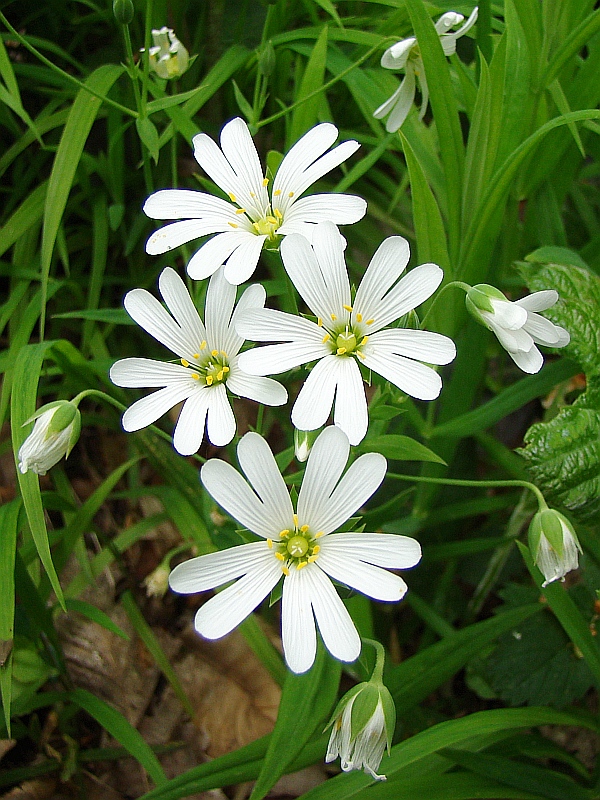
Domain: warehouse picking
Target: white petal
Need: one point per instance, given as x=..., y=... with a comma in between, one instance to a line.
x=147, y=410
x=371, y=581
x=350, y=412
x=321, y=167
x=313, y=404
x=297, y=623
x=135, y=373
x=512, y=340
x=326, y=463
x=181, y=306
x=447, y=21
x=506, y=314
x=241, y=264
x=301, y=264
x=541, y=330
x=335, y=623
x=188, y=204
x=220, y=300
x=395, y=57
x=404, y=99
x=328, y=245
x=214, y=569
x=342, y=209
x=433, y=348
x=227, y=487
x=358, y=484
x=261, y=390
x=416, y=379
x=239, y=149
x=214, y=253
x=539, y=301
x=260, y=467
x=220, y=424
x=381, y=549
x=153, y=318
x=530, y=361
x=189, y=430
x=226, y=610
x=388, y=263
x=276, y=358
x=306, y=150
x=270, y=325
x=177, y=233
x=412, y=290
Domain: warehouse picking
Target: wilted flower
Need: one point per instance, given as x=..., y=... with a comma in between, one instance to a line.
x=301, y=545
x=254, y=218
x=406, y=55
x=554, y=544
x=56, y=430
x=348, y=332
x=516, y=325
x=168, y=58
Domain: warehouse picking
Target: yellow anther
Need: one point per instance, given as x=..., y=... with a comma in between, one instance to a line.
x=265, y=181
x=301, y=564
x=312, y=559
x=214, y=353
x=284, y=533
x=252, y=195
x=365, y=339
x=223, y=353
x=280, y=556
x=277, y=192
x=240, y=211
x=270, y=544
x=359, y=317
x=326, y=338
x=348, y=308
x=196, y=355
x=278, y=214
x=285, y=571
x=295, y=518
x=334, y=317
x=316, y=549
x=304, y=528
x=220, y=375
x=185, y=363
x=233, y=224
x=340, y=351
x=370, y=321
x=203, y=344
x=291, y=194
x=319, y=534
x=319, y=322
x=232, y=197
x=225, y=369
x=209, y=380
x=360, y=355
x=195, y=376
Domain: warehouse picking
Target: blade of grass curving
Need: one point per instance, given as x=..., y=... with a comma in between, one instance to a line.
x=445, y=113
x=23, y=398
x=26, y=215
x=95, y=615
x=306, y=701
x=146, y=634
x=43, y=125
x=9, y=521
x=121, y=730
x=305, y=115
x=74, y=136
x=575, y=41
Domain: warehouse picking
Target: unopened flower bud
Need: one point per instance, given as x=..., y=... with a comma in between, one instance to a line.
x=123, y=11
x=56, y=430
x=303, y=442
x=554, y=544
x=267, y=60
x=362, y=727
x=168, y=58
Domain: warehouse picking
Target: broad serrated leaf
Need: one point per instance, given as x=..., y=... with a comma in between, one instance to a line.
x=579, y=309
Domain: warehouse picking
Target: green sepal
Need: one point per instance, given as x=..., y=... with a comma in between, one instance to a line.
x=534, y=534
x=389, y=714
x=552, y=530
x=342, y=703
x=61, y=419
x=42, y=410
x=363, y=709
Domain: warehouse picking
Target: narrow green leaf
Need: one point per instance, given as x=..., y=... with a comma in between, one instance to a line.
x=121, y=730
x=305, y=704
x=9, y=520
x=306, y=114
x=399, y=448
x=75, y=134
x=575, y=41
x=95, y=615
x=26, y=215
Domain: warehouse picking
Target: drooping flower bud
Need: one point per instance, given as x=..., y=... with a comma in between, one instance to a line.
x=123, y=11
x=554, y=544
x=168, y=57
x=56, y=430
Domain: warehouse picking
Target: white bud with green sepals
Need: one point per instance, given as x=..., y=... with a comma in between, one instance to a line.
x=56, y=430
x=554, y=544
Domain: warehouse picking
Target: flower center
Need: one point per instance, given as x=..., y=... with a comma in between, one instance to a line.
x=296, y=547
x=210, y=369
x=269, y=225
x=346, y=341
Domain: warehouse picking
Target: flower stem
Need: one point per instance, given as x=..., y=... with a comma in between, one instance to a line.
x=377, y=676
x=453, y=284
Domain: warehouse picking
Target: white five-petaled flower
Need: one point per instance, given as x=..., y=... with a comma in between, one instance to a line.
x=517, y=325
x=301, y=544
x=406, y=55
x=208, y=365
x=255, y=217
x=347, y=333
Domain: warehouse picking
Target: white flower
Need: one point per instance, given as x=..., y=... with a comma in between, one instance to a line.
x=254, y=217
x=516, y=325
x=209, y=361
x=346, y=331
x=56, y=430
x=300, y=544
x=168, y=58
x=554, y=544
x=406, y=55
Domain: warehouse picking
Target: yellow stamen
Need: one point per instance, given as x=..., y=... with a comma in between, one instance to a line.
x=326, y=338
x=185, y=363
x=240, y=211
x=370, y=321
x=265, y=181
x=319, y=322
x=214, y=353
x=195, y=376
x=277, y=192
x=209, y=380
x=280, y=556
x=252, y=195
x=304, y=528
x=300, y=564
x=319, y=534
x=284, y=533
x=365, y=339
x=232, y=197
x=203, y=344
x=340, y=351
x=291, y=194
x=225, y=369
x=312, y=559
x=233, y=224
x=285, y=571
x=220, y=375
x=360, y=355
x=278, y=214
x=348, y=308
x=359, y=317
x=270, y=544
x=224, y=354
x=316, y=549
x=196, y=355
x=295, y=518
x=334, y=317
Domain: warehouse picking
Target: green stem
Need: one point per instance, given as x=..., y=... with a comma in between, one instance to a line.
x=456, y=482
x=451, y=285
x=22, y=40
x=377, y=676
